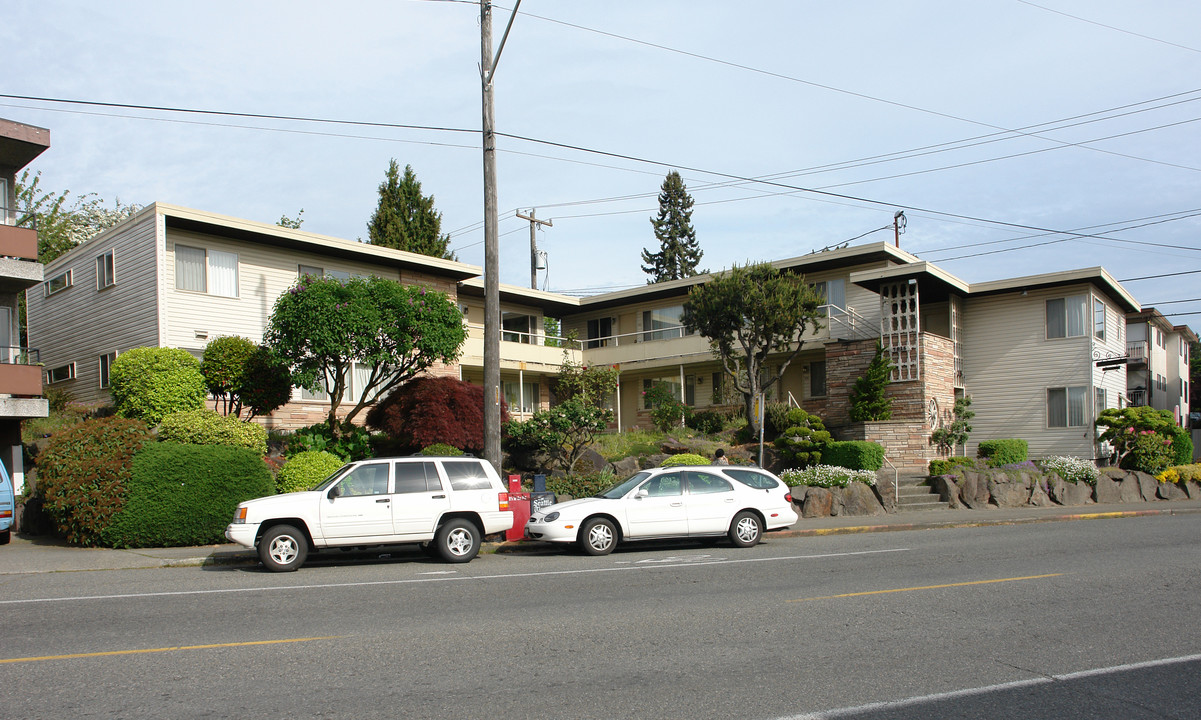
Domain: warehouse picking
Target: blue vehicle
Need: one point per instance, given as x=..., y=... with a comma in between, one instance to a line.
x=8, y=506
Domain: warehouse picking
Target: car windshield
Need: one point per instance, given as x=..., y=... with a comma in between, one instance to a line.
x=324, y=484
x=619, y=490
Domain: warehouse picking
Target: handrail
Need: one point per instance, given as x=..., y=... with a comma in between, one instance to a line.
x=792, y=401
x=847, y=317
x=533, y=338
x=896, y=483
x=14, y=355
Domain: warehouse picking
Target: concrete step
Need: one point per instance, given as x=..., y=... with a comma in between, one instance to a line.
x=916, y=506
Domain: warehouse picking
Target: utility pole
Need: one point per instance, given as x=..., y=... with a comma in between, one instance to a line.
x=491, y=249
x=898, y=225
x=534, y=223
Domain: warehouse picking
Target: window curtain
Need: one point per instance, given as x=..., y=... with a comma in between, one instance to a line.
x=189, y=269
x=224, y=270
x=1077, y=406
x=1076, y=312
x=1057, y=407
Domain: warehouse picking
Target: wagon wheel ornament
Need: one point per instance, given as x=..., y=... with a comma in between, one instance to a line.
x=932, y=416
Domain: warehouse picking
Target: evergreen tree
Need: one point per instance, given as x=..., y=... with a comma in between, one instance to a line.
x=868, y=402
x=405, y=219
x=679, y=252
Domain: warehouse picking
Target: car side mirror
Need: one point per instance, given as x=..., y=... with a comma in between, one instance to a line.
x=335, y=491
x=642, y=492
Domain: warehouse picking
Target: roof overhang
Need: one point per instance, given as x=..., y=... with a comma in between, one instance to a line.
x=933, y=283
x=1097, y=276
x=552, y=304
x=265, y=234
x=21, y=143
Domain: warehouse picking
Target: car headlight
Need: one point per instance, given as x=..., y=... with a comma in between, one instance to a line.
x=550, y=517
x=239, y=516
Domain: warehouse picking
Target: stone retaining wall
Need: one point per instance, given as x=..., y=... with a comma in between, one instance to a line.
x=979, y=489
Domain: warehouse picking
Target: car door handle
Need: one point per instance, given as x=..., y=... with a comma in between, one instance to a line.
x=677, y=504
x=729, y=500
x=384, y=500
x=439, y=497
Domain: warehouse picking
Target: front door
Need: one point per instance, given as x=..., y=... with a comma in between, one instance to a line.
x=362, y=506
x=418, y=500
x=661, y=512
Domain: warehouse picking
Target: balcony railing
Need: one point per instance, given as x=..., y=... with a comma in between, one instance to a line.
x=19, y=356
x=1136, y=398
x=20, y=376
x=1136, y=350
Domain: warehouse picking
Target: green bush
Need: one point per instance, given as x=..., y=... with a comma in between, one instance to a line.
x=944, y=467
x=148, y=383
x=1009, y=451
x=1181, y=474
x=803, y=443
x=1182, y=447
x=208, y=427
x=1150, y=452
x=82, y=475
x=186, y=494
x=854, y=454
x=706, y=421
x=355, y=443
x=666, y=410
x=582, y=485
x=58, y=398
x=304, y=470
x=441, y=450
x=685, y=459
x=775, y=419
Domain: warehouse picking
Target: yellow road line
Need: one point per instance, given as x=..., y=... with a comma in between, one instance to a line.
x=928, y=587
x=166, y=649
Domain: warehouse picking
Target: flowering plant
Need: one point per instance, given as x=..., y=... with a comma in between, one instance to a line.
x=1072, y=469
x=826, y=476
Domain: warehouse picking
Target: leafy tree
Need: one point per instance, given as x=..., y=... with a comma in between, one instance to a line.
x=323, y=328
x=666, y=410
x=868, y=402
x=62, y=224
x=593, y=385
x=242, y=375
x=747, y=314
x=148, y=383
x=679, y=251
x=405, y=219
x=291, y=223
x=561, y=433
x=954, y=435
x=430, y=410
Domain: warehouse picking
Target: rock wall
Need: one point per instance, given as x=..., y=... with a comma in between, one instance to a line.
x=979, y=489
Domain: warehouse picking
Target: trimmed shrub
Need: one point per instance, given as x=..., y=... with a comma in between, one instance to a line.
x=304, y=470
x=706, y=421
x=82, y=475
x=583, y=485
x=854, y=454
x=826, y=476
x=430, y=410
x=441, y=450
x=208, y=427
x=802, y=444
x=944, y=467
x=148, y=383
x=185, y=494
x=223, y=366
x=1182, y=446
x=1150, y=452
x=354, y=444
x=685, y=459
x=775, y=419
x=1009, y=451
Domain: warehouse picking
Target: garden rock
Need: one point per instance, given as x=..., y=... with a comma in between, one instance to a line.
x=974, y=490
x=819, y=502
x=652, y=461
x=1070, y=494
x=1008, y=494
x=1193, y=489
x=1109, y=489
x=858, y=499
x=625, y=467
x=1171, y=491
x=798, y=495
x=671, y=446
x=589, y=461
x=885, y=493
x=948, y=490
x=1039, y=497
x=1147, y=484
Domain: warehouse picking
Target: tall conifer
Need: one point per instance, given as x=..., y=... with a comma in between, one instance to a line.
x=679, y=253
x=405, y=219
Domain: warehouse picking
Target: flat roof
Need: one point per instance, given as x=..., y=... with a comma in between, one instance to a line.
x=21, y=143
x=934, y=283
x=1096, y=275
x=549, y=302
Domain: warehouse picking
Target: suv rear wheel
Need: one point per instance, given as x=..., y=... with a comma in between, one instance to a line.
x=458, y=541
x=283, y=548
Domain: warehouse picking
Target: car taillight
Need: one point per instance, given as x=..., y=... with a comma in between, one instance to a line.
x=503, y=499
x=788, y=497
x=6, y=513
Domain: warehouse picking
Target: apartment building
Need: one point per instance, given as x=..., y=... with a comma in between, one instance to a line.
x=1158, y=363
x=20, y=376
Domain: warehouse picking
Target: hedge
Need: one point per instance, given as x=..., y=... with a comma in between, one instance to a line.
x=304, y=470
x=208, y=427
x=148, y=383
x=84, y=472
x=186, y=494
x=685, y=459
x=944, y=467
x=1008, y=451
x=854, y=454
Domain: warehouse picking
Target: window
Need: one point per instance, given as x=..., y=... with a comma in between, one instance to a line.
x=752, y=478
x=356, y=384
x=718, y=389
x=673, y=385
x=663, y=323
x=518, y=403
x=466, y=475
x=62, y=281
x=105, y=271
x=1099, y=399
x=61, y=373
x=1067, y=407
x=706, y=484
x=599, y=330
x=690, y=390
x=833, y=293
x=1065, y=317
x=1098, y=319
x=665, y=485
x=516, y=327
x=415, y=477
x=303, y=270
x=5, y=211
x=206, y=271
x=106, y=363
x=817, y=379
x=366, y=480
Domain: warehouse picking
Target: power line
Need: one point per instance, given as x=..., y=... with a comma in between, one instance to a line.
x=1111, y=27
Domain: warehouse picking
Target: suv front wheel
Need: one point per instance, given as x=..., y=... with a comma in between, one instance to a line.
x=283, y=548
x=458, y=541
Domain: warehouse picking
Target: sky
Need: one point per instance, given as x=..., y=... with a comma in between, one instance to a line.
x=995, y=125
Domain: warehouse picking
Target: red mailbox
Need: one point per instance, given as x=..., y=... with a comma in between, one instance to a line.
x=519, y=503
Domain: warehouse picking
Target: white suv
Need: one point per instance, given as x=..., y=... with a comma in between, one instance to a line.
x=446, y=504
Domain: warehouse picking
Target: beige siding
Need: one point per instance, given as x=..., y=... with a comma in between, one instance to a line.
x=1009, y=364
x=81, y=323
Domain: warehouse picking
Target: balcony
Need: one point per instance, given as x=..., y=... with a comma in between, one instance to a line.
x=18, y=242
x=1136, y=398
x=21, y=384
x=518, y=350
x=1136, y=350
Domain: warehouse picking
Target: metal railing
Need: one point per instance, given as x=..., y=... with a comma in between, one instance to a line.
x=526, y=338
x=19, y=356
x=858, y=326
x=1136, y=350
x=1136, y=398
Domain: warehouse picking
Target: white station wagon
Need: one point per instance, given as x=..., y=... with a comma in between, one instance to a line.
x=445, y=504
x=701, y=501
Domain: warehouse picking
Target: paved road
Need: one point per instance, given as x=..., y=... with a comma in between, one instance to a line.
x=1083, y=619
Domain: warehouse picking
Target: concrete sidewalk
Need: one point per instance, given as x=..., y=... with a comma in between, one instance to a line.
x=40, y=554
